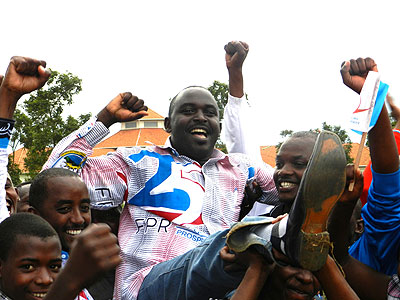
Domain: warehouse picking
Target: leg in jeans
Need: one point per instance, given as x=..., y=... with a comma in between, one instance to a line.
x=197, y=274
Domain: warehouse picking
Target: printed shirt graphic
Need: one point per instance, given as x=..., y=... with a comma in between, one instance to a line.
x=173, y=202
x=175, y=192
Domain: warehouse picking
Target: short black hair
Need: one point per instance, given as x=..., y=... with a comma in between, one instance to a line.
x=173, y=100
x=38, y=190
x=25, y=224
x=313, y=135
x=305, y=134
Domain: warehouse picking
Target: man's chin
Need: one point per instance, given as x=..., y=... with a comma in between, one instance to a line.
x=296, y=295
x=67, y=241
x=286, y=199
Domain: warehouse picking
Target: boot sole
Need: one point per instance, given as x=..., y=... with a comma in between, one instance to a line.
x=322, y=185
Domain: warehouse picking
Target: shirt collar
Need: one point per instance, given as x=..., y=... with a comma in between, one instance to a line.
x=4, y=296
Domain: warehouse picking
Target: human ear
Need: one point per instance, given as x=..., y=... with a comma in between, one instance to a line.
x=33, y=210
x=359, y=226
x=167, y=125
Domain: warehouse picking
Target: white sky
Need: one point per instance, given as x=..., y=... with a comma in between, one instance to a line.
x=156, y=48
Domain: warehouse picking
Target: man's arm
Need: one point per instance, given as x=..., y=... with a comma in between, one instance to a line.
x=381, y=213
x=257, y=271
x=23, y=76
x=235, y=55
x=234, y=120
x=383, y=150
x=93, y=254
x=106, y=176
x=333, y=282
x=366, y=282
x=234, y=111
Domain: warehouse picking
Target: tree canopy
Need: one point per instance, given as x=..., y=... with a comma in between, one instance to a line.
x=220, y=92
x=40, y=124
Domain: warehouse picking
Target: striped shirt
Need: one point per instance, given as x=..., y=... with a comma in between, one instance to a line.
x=174, y=203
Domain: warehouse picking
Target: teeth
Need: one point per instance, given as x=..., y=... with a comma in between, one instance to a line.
x=74, y=232
x=198, y=130
x=287, y=184
x=39, y=295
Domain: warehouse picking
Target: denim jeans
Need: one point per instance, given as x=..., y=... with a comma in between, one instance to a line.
x=197, y=274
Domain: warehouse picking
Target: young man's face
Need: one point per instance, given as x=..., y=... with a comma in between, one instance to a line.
x=31, y=267
x=290, y=283
x=66, y=208
x=11, y=197
x=194, y=124
x=291, y=162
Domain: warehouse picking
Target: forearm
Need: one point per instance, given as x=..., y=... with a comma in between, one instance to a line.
x=236, y=82
x=65, y=287
x=105, y=117
x=252, y=283
x=339, y=227
x=233, y=125
x=333, y=283
x=383, y=149
x=80, y=144
x=8, y=102
x=366, y=282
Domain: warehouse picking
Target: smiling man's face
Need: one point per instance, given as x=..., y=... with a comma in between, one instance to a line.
x=66, y=208
x=291, y=162
x=194, y=124
x=290, y=283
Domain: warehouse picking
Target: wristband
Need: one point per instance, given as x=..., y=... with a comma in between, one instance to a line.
x=6, y=127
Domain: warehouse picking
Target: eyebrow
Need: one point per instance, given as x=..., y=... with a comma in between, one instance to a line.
x=61, y=202
x=295, y=157
x=29, y=259
x=34, y=260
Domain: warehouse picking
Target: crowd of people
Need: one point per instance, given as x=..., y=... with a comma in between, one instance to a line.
x=187, y=221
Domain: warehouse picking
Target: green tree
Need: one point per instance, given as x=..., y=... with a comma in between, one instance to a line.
x=342, y=134
x=40, y=124
x=13, y=170
x=220, y=92
x=344, y=137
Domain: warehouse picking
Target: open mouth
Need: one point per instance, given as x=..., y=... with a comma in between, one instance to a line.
x=294, y=293
x=287, y=185
x=201, y=133
x=40, y=295
x=73, y=232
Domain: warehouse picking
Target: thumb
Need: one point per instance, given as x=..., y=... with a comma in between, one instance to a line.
x=44, y=75
x=345, y=72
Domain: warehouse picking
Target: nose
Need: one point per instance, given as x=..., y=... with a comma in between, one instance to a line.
x=199, y=116
x=44, y=277
x=285, y=170
x=305, y=277
x=76, y=217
